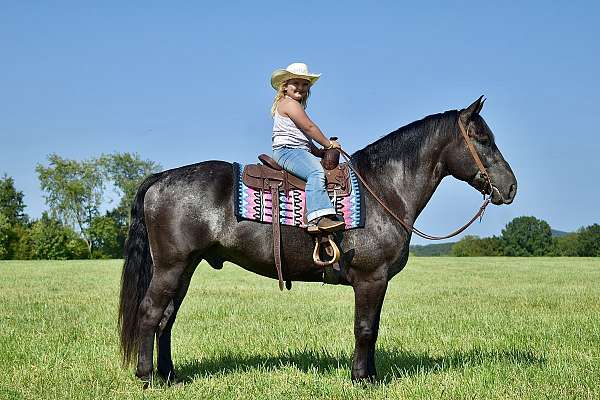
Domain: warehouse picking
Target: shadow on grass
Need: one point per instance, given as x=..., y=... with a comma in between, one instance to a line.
x=391, y=364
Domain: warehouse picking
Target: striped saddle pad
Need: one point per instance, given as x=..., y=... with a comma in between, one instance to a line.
x=256, y=204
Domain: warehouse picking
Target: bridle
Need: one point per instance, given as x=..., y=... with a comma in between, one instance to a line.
x=411, y=228
x=475, y=155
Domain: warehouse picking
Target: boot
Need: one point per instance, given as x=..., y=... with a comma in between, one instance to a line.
x=325, y=224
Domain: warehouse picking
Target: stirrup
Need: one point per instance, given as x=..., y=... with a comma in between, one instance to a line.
x=336, y=252
x=313, y=230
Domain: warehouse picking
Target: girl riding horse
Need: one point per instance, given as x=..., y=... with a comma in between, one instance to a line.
x=293, y=147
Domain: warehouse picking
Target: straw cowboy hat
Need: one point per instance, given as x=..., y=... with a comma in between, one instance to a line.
x=295, y=70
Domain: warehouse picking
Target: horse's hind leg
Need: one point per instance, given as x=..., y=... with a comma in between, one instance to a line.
x=165, y=362
x=163, y=287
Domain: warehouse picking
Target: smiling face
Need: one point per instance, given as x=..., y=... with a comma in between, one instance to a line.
x=296, y=88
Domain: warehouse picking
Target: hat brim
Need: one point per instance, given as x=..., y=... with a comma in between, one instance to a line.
x=282, y=75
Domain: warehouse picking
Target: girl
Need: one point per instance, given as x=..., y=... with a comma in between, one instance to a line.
x=293, y=147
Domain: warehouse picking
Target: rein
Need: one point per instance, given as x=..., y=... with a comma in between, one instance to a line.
x=411, y=228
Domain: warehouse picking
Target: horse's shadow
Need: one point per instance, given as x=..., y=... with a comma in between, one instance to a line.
x=391, y=364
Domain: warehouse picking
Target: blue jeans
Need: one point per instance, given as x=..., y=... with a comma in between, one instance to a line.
x=304, y=165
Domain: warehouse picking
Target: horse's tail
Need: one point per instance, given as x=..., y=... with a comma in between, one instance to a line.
x=136, y=275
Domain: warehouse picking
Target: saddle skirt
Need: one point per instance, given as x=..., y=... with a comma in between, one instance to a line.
x=253, y=195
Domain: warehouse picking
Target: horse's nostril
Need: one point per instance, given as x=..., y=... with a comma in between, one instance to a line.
x=512, y=191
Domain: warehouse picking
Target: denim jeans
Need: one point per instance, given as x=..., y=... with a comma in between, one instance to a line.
x=303, y=164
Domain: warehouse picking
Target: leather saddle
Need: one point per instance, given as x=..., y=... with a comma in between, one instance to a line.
x=270, y=176
x=264, y=176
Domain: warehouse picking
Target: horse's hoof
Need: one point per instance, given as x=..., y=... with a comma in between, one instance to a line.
x=177, y=383
x=145, y=378
x=362, y=377
x=170, y=378
x=146, y=381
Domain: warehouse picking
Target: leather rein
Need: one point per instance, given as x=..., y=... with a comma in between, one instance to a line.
x=411, y=228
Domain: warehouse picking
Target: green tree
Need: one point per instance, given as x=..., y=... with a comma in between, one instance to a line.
x=473, y=246
x=73, y=192
x=52, y=240
x=6, y=233
x=13, y=220
x=126, y=171
x=465, y=246
x=566, y=246
x=492, y=246
x=527, y=236
x=588, y=241
x=21, y=249
x=107, y=237
x=11, y=202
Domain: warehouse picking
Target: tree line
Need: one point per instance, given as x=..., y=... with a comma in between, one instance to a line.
x=74, y=191
x=529, y=236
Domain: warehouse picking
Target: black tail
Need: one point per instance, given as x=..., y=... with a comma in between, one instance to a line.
x=137, y=273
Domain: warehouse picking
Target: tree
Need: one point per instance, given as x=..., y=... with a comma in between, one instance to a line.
x=11, y=202
x=566, y=245
x=527, y=236
x=5, y=237
x=465, y=246
x=588, y=241
x=126, y=171
x=21, y=247
x=473, y=246
x=51, y=240
x=74, y=192
x=106, y=235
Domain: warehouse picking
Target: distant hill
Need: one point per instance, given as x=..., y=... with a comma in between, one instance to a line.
x=435, y=249
x=557, y=233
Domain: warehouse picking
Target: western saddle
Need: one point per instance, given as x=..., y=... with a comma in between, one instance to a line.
x=270, y=176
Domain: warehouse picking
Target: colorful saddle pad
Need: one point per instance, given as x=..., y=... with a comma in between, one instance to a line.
x=256, y=205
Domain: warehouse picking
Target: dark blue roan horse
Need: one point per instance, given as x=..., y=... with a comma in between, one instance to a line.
x=185, y=215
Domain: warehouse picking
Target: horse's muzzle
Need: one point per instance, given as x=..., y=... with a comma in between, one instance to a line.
x=498, y=198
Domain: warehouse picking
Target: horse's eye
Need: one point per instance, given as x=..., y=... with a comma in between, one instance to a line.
x=483, y=138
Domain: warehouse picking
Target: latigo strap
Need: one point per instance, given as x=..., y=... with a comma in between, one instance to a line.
x=276, y=230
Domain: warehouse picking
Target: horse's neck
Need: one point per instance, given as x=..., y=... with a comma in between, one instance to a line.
x=418, y=188
x=408, y=190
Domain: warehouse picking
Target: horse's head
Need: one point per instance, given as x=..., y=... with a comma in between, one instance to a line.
x=462, y=165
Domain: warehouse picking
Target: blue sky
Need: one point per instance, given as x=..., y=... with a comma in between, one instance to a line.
x=182, y=82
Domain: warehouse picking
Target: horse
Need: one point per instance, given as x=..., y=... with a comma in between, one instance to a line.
x=182, y=216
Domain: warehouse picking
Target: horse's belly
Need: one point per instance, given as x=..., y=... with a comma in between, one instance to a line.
x=291, y=271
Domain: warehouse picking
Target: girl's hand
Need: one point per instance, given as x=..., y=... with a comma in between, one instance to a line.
x=333, y=144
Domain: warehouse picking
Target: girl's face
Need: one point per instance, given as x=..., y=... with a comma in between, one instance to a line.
x=296, y=88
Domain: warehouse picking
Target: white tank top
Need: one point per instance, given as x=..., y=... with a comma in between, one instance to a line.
x=286, y=133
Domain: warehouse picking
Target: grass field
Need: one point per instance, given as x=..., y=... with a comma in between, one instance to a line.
x=476, y=328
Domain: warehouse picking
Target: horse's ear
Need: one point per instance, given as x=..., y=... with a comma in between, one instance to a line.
x=467, y=113
x=482, y=100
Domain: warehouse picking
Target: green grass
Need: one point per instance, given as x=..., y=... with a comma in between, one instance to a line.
x=472, y=328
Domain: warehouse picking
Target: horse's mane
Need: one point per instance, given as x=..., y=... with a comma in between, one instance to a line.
x=404, y=144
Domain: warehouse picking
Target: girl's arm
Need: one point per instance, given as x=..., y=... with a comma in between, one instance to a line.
x=317, y=152
x=296, y=113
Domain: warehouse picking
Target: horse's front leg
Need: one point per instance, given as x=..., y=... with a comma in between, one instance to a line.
x=369, y=293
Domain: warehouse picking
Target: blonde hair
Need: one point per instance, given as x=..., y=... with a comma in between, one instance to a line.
x=281, y=94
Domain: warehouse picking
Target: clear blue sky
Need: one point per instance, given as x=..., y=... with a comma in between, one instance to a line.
x=184, y=82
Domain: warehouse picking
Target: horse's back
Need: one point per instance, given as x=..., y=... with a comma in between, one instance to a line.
x=207, y=181
x=190, y=204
